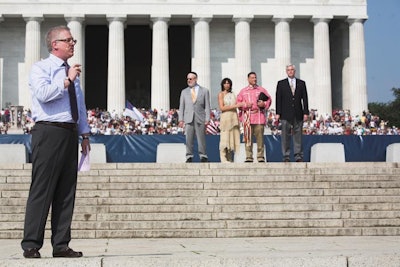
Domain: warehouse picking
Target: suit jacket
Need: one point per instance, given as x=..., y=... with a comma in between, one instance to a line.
x=290, y=106
x=199, y=111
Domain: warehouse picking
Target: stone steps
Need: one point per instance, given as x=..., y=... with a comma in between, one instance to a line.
x=124, y=200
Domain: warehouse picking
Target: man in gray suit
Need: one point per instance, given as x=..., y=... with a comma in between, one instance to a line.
x=194, y=112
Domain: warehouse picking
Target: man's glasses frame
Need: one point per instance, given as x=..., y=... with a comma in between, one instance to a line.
x=67, y=40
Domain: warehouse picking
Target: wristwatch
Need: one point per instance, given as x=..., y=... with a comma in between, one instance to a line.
x=85, y=137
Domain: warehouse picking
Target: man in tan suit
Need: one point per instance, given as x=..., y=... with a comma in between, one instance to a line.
x=194, y=112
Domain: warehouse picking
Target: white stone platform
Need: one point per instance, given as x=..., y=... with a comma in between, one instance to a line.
x=97, y=153
x=393, y=153
x=13, y=153
x=327, y=152
x=171, y=153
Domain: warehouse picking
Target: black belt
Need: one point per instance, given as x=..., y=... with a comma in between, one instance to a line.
x=65, y=125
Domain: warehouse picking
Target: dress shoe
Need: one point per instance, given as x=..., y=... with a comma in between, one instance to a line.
x=189, y=160
x=32, y=253
x=286, y=160
x=261, y=160
x=67, y=253
x=248, y=160
x=204, y=159
x=299, y=160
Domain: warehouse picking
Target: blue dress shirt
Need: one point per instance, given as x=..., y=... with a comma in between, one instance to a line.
x=50, y=100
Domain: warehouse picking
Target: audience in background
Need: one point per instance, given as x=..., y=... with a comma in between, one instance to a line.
x=101, y=122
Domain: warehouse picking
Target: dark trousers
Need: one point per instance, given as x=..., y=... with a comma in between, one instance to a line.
x=294, y=128
x=54, y=178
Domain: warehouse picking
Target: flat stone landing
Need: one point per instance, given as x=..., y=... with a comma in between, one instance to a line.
x=366, y=251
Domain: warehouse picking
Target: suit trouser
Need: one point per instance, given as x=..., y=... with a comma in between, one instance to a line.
x=197, y=129
x=258, y=131
x=54, y=178
x=287, y=128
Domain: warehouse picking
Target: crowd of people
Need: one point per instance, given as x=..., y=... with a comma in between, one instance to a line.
x=340, y=122
x=5, y=119
x=103, y=122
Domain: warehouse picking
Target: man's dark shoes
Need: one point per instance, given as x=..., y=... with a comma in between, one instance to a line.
x=189, y=160
x=204, y=159
x=248, y=160
x=32, y=253
x=67, y=253
x=299, y=160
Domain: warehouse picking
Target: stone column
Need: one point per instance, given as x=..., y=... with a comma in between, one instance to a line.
x=75, y=24
x=357, y=75
x=242, y=52
x=201, y=43
x=282, y=53
x=116, y=65
x=322, y=67
x=282, y=45
x=32, y=54
x=160, y=64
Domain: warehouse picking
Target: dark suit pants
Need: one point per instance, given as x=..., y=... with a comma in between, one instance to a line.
x=294, y=128
x=54, y=178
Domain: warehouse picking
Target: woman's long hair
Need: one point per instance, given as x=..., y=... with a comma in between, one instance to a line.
x=224, y=80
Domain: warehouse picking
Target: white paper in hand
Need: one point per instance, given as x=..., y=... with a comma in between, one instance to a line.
x=84, y=163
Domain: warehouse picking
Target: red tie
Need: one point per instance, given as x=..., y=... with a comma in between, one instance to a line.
x=72, y=96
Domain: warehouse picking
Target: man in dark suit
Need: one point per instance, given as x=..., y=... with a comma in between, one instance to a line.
x=194, y=112
x=291, y=109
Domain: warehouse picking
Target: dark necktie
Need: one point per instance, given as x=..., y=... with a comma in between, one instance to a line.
x=72, y=96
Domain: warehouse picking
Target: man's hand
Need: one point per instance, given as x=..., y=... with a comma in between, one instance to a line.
x=85, y=146
x=74, y=71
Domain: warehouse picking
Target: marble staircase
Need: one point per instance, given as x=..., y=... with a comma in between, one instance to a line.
x=181, y=200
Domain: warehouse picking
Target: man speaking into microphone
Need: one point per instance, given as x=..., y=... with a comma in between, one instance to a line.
x=59, y=112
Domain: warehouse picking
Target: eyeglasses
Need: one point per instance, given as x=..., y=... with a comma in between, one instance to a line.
x=67, y=40
x=189, y=79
